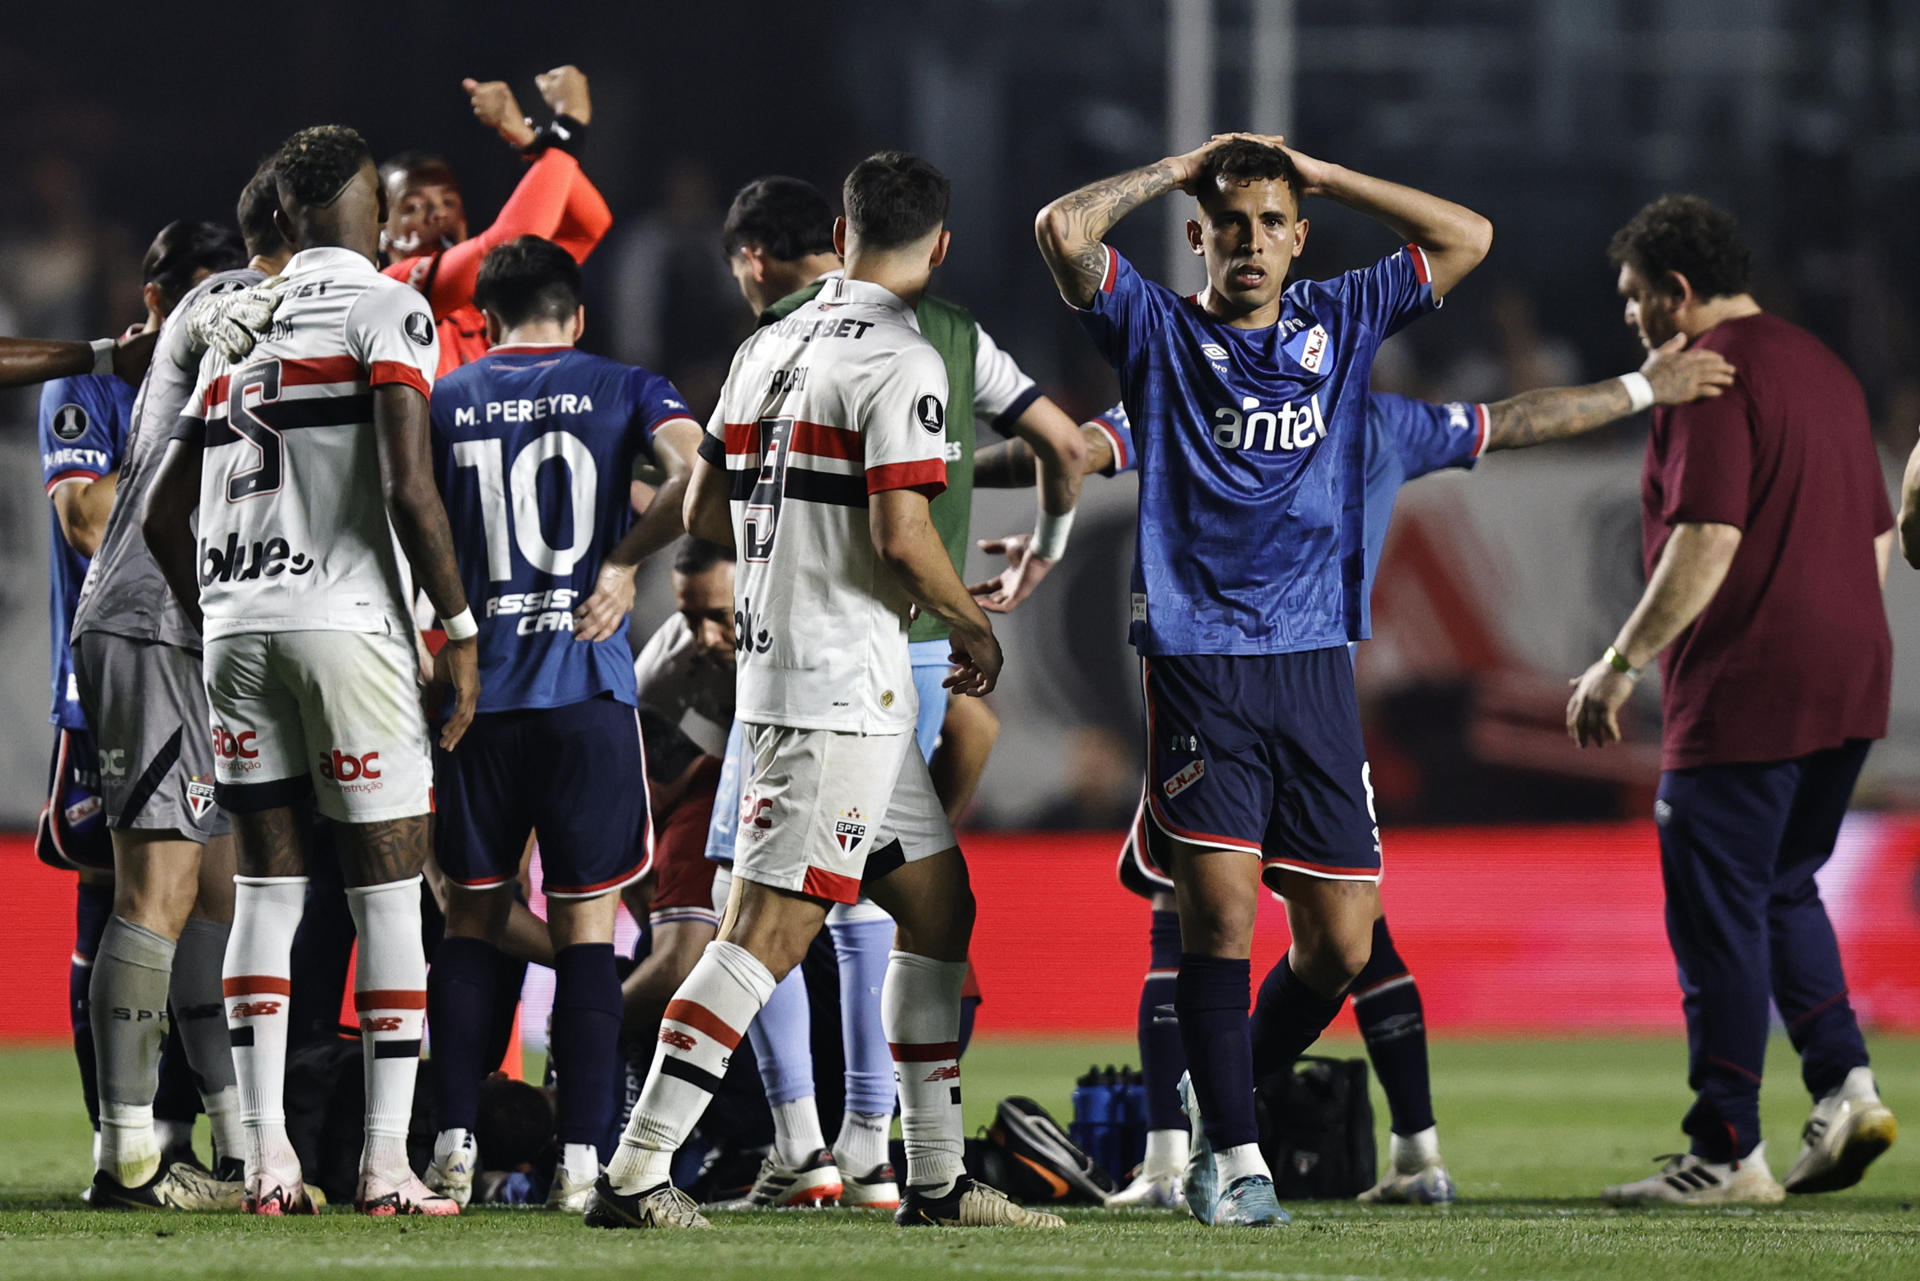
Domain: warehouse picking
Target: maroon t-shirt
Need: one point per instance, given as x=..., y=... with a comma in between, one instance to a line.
x=1792, y=654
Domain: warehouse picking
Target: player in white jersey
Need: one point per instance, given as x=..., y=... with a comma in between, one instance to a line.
x=818, y=466
x=309, y=470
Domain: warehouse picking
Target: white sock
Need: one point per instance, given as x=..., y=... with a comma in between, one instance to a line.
x=1238, y=1163
x=447, y=1142
x=796, y=1132
x=1166, y=1153
x=862, y=1143
x=173, y=1134
x=581, y=1161
x=255, y=980
x=129, y=1146
x=1412, y=1153
x=920, y=1009
x=390, y=996
x=703, y=1023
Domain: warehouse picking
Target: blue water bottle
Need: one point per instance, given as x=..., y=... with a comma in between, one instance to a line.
x=1092, y=1112
x=1134, y=1147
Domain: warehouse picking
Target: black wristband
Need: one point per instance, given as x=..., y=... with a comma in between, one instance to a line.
x=562, y=132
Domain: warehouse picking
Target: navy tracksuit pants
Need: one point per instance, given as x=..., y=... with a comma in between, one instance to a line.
x=1739, y=846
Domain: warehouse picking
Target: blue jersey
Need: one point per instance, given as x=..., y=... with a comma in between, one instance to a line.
x=1406, y=439
x=83, y=428
x=1251, y=447
x=534, y=450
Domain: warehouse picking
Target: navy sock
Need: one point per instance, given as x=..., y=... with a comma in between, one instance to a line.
x=1162, y=1056
x=1211, y=1000
x=178, y=1097
x=1387, y=1003
x=1288, y=1018
x=92, y=909
x=586, y=1040
x=460, y=1021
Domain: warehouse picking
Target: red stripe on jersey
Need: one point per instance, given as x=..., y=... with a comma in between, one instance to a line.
x=1113, y=271
x=823, y=441
x=743, y=438
x=1323, y=871
x=701, y=1019
x=931, y=1052
x=821, y=883
x=256, y=985
x=61, y=478
x=1420, y=267
x=654, y=427
x=320, y=369
x=928, y=473
x=216, y=394
x=390, y=998
x=1119, y=447
x=398, y=371
x=1485, y=424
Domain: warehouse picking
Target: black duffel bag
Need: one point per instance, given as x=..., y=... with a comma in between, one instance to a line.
x=1316, y=1129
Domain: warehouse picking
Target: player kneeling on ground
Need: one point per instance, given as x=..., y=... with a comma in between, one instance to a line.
x=827, y=445
x=533, y=439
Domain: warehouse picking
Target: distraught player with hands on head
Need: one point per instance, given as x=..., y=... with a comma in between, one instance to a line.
x=1248, y=407
x=534, y=447
x=309, y=469
x=818, y=465
x=425, y=233
x=1406, y=439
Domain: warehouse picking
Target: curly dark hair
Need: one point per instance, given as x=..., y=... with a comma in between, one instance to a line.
x=1687, y=235
x=787, y=218
x=312, y=166
x=1244, y=160
x=893, y=199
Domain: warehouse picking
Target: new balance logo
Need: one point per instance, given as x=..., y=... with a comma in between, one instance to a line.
x=385, y=1023
x=253, y=1009
x=951, y=1072
x=675, y=1039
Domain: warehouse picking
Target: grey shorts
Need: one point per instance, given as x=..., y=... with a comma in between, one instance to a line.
x=148, y=710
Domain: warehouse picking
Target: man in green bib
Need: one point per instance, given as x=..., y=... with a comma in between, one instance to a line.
x=778, y=239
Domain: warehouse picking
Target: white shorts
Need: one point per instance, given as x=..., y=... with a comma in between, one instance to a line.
x=334, y=715
x=817, y=805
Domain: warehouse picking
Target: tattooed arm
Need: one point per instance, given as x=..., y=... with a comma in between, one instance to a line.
x=1677, y=376
x=1070, y=229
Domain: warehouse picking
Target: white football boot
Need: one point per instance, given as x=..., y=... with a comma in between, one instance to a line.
x=1687, y=1180
x=1417, y=1176
x=1845, y=1133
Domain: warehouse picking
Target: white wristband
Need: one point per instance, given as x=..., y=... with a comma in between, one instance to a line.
x=461, y=626
x=103, y=355
x=1639, y=390
x=1050, y=535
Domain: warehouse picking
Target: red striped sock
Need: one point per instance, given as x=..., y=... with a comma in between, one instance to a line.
x=390, y=999
x=704, y=1022
x=920, y=1010
x=255, y=985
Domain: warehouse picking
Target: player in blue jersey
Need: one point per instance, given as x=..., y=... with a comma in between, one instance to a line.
x=1406, y=439
x=534, y=448
x=1248, y=405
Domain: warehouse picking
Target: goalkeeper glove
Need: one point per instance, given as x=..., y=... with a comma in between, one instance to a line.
x=231, y=323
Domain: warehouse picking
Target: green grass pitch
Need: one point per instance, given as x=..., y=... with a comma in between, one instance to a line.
x=1531, y=1129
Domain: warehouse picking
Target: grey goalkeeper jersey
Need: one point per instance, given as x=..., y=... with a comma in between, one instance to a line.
x=124, y=593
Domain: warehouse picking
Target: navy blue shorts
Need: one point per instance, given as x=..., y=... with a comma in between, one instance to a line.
x=576, y=775
x=72, y=832
x=1262, y=753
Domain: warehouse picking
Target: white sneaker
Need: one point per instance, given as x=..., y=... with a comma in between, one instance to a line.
x=1687, y=1180
x=569, y=1194
x=1160, y=1191
x=1416, y=1176
x=1845, y=1133
x=780, y=1187
x=456, y=1158
x=877, y=1189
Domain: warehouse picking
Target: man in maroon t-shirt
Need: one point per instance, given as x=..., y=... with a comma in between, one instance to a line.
x=1766, y=537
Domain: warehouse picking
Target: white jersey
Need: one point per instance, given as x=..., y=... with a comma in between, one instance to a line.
x=687, y=689
x=293, y=524
x=840, y=400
